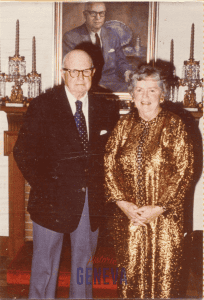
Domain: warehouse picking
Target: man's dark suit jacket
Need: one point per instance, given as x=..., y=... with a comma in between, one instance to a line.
x=49, y=154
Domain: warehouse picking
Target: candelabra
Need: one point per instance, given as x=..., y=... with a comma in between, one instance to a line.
x=191, y=76
x=17, y=74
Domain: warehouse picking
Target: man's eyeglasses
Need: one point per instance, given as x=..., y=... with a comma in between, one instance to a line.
x=75, y=73
x=95, y=13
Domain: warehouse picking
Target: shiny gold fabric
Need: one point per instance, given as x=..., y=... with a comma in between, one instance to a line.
x=149, y=163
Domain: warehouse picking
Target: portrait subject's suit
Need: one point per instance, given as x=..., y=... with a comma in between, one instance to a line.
x=115, y=63
x=50, y=155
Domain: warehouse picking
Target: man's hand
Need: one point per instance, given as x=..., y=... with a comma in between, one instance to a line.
x=131, y=211
x=150, y=213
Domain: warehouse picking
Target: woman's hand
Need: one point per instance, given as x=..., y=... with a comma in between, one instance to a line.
x=131, y=211
x=150, y=213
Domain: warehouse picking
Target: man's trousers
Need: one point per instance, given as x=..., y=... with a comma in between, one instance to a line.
x=47, y=246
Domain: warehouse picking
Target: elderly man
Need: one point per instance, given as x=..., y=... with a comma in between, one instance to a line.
x=60, y=151
x=116, y=68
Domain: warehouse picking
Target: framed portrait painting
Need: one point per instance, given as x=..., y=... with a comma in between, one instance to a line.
x=134, y=22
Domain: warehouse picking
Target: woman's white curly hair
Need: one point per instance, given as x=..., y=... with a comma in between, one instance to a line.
x=143, y=72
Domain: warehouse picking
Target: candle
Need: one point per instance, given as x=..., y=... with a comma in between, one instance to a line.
x=172, y=52
x=192, y=43
x=33, y=57
x=17, y=38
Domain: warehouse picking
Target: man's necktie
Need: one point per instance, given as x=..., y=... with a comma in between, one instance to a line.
x=98, y=43
x=81, y=125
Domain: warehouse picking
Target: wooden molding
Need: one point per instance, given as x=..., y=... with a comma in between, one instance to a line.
x=9, y=141
x=4, y=240
x=10, y=245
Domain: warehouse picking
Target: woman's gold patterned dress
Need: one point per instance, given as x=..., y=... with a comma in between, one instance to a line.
x=149, y=163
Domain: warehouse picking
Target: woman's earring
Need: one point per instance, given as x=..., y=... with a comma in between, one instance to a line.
x=161, y=100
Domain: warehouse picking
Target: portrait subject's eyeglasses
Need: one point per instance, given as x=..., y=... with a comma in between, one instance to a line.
x=75, y=73
x=95, y=13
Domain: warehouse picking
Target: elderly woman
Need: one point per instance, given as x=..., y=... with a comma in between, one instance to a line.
x=148, y=167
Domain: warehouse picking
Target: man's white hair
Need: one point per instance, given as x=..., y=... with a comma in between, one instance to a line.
x=63, y=61
x=88, y=5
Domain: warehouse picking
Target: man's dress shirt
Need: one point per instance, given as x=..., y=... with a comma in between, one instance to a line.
x=85, y=106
